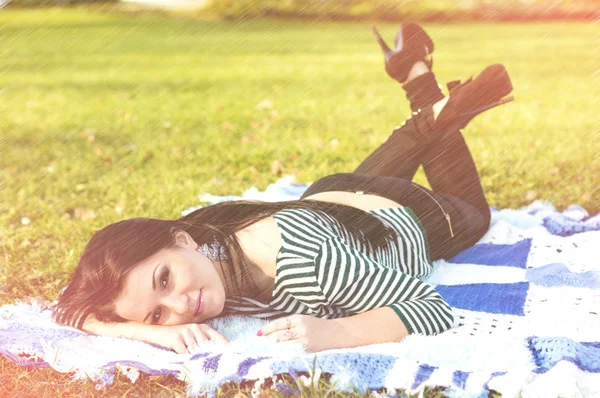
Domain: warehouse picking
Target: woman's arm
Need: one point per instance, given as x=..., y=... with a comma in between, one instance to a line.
x=130, y=330
x=360, y=285
x=383, y=303
x=179, y=338
x=380, y=325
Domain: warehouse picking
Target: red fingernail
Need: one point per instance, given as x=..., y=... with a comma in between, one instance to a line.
x=259, y=333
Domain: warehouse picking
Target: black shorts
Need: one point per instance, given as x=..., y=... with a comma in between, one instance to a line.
x=447, y=238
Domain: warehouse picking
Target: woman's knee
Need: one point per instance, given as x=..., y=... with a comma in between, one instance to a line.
x=481, y=225
x=479, y=222
x=470, y=222
x=487, y=216
x=484, y=220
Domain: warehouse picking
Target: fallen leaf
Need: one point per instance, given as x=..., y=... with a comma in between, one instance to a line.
x=554, y=171
x=265, y=104
x=85, y=214
x=103, y=155
x=276, y=167
x=531, y=195
x=176, y=151
x=88, y=134
x=227, y=126
x=120, y=207
x=248, y=138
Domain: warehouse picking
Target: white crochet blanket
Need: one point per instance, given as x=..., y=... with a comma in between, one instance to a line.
x=526, y=300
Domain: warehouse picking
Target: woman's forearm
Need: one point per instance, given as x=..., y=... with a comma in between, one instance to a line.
x=179, y=338
x=131, y=330
x=379, y=325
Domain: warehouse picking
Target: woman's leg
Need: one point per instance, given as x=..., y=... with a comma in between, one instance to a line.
x=454, y=213
x=422, y=91
x=446, y=159
x=446, y=237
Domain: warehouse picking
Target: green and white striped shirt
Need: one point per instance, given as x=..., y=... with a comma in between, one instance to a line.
x=324, y=271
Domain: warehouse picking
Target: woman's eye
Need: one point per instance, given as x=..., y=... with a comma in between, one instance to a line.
x=164, y=279
x=156, y=315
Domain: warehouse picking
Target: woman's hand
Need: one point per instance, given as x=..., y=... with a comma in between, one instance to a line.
x=316, y=334
x=183, y=338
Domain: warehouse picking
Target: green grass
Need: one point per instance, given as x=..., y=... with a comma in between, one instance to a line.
x=107, y=116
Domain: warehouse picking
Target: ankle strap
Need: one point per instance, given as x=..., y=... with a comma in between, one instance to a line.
x=423, y=91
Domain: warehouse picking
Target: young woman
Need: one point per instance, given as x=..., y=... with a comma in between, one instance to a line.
x=337, y=268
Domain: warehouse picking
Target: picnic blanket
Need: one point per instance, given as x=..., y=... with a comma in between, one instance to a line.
x=526, y=301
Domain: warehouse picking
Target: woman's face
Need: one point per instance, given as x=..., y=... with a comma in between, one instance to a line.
x=166, y=287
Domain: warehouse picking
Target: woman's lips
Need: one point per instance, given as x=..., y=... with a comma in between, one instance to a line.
x=200, y=304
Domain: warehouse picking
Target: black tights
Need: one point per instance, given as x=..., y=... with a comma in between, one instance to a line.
x=448, y=165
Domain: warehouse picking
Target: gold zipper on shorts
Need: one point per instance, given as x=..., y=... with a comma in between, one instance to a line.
x=445, y=214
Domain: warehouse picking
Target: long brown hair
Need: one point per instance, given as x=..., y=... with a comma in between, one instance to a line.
x=117, y=248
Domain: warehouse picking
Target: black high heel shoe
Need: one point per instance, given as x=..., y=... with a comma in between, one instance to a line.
x=473, y=97
x=412, y=45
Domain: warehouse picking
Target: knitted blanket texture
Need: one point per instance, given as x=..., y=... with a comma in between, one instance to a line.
x=526, y=302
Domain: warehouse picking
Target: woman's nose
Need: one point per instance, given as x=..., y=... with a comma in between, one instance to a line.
x=179, y=304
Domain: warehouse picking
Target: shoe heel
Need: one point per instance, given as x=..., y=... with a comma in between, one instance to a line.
x=477, y=96
x=471, y=114
x=497, y=84
x=498, y=80
x=384, y=47
x=412, y=45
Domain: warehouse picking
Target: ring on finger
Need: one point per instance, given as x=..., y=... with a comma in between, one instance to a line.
x=289, y=334
x=289, y=324
x=192, y=345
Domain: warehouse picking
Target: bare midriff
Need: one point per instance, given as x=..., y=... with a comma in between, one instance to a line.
x=359, y=200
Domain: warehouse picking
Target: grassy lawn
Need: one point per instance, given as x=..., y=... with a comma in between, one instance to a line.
x=107, y=116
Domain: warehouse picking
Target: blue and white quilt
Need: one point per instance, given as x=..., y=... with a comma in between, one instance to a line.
x=526, y=301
